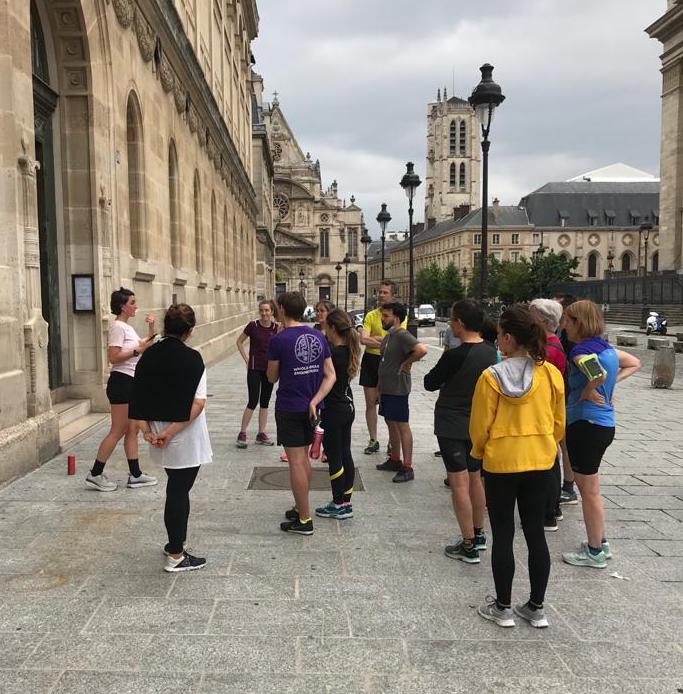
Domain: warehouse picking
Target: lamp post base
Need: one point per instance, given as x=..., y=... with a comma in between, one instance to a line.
x=412, y=327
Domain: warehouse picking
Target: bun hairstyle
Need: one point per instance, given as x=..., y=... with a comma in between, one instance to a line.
x=526, y=328
x=340, y=321
x=179, y=320
x=119, y=298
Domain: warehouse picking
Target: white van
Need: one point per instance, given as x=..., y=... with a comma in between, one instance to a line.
x=426, y=315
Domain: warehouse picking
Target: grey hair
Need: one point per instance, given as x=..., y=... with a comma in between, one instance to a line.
x=549, y=311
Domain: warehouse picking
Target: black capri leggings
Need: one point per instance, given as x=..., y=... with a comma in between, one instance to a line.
x=260, y=389
x=337, y=440
x=177, y=509
x=529, y=490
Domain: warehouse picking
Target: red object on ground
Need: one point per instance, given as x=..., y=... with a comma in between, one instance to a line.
x=71, y=465
x=317, y=443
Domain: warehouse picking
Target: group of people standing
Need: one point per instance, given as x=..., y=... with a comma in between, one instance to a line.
x=515, y=409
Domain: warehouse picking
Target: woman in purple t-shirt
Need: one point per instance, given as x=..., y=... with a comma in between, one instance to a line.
x=259, y=332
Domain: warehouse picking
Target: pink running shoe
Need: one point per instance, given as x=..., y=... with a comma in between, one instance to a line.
x=283, y=458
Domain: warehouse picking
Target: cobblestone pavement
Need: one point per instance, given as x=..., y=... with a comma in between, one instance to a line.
x=370, y=605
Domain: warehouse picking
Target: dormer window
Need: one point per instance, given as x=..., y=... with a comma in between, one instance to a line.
x=635, y=217
x=564, y=216
x=610, y=216
x=592, y=218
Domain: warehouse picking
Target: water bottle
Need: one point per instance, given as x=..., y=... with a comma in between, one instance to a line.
x=314, y=453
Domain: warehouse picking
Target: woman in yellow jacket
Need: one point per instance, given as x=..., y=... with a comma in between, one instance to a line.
x=518, y=418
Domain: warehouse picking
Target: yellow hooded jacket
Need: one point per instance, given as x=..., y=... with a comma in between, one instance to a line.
x=518, y=416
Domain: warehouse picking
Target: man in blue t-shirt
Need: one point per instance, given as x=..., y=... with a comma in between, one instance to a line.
x=299, y=358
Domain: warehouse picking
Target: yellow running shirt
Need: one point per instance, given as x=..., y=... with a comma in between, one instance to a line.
x=372, y=324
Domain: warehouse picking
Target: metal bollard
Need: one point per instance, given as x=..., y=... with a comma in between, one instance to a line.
x=664, y=367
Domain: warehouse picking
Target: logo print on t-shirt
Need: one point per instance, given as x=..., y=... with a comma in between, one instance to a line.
x=308, y=348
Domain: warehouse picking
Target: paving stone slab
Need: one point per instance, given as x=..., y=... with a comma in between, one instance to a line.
x=114, y=683
x=198, y=586
x=666, y=548
x=43, y=614
x=25, y=682
x=351, y=655
x=15, y=648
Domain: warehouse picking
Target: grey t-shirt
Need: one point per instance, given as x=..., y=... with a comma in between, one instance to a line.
x=450, y=341
x=396, y=347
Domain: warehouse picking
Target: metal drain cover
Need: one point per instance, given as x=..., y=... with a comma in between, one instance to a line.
x=276, y=478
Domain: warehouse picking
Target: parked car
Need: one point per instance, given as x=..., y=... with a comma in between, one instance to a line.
x=356, y=317
x=426, y=315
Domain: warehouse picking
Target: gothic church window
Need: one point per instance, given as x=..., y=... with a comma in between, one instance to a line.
x=352, y=242
x=281, y=205
x=452, y=176
x=462, y=142
x=324, y=243
x=593, y=265
x=453, y=142
x=136, y=177
x=462, y=179
x=353, y=283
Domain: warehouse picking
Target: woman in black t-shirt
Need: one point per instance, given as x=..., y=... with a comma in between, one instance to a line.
x=338, y=414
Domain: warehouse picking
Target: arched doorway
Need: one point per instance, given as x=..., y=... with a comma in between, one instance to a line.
x=655, y=261
x=592, y=265
x=44, y=104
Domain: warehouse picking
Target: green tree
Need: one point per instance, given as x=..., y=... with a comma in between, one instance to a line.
x=548, y=270
x=428, y=284
x=493, y=272
x=451, y=289
x=513, y=281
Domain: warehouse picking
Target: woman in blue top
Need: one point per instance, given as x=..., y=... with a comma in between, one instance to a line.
x=595, y=368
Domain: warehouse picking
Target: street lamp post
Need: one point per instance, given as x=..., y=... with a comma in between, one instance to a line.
x=610, y=270
x=485, y=97
x=338, y=268
x=383, y=218
x=346, y=262
x=645, y=230
x=464, y=279
x=410, y=183
x=366, y=241
x=301, y=283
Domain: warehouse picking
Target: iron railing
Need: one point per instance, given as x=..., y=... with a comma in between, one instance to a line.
x=659, y=288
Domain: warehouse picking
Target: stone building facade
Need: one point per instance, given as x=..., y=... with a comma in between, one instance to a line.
x=126, y=157
x=375, y=263
x=668, y=29
x=453, y=159
x=315, y=229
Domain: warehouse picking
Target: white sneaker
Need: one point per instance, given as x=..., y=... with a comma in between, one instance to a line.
x=142, y=481
x=100, y=482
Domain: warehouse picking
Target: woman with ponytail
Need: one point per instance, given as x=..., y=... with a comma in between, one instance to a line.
x=518, y=418
x=339, y=412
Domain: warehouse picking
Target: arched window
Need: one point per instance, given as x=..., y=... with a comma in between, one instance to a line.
x=226, y=246
x=215, y=247
x=626, y=262
x=453, y=140
x=451, y=177
x=462, y=179
x=593, y=265
x=353, y=283
x=235, y=252
x=174, y=206
x=655, y=261
x=241, y=254
x=198, y=239
x=136, y=177
x=462, y=137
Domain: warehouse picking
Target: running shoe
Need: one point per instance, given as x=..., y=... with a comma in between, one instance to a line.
x=262, y=438
x=584, y=558
x=558, y=514
x=605, y=549
x=459, y=551
x=550, y=525
x=480, y=541
x=292, y=514
x=341, y=512
x=101, y=483
x=297, y=527
x=535, y=616
x=489, y=609
x=372, y=447
x=569, y=498
x=390, y=465
x=167, y=547
x=242, y=439
x=141, y=481
x=186, y=563
x=407, y=474
x=284, y=458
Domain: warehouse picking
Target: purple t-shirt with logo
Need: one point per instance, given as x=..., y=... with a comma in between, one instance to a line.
x=301, y=352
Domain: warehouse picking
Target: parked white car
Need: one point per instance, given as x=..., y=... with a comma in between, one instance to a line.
x=426, y=315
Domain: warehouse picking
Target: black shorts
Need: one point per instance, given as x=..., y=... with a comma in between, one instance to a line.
x=455, y=454
x=369, y=370
x=586, y=444
x=119, y=388
x=394, y=408
x=294, y=429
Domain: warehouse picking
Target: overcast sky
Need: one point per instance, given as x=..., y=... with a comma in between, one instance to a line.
x=354, y=78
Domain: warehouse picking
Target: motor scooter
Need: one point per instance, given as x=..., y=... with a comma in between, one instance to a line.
x=656, y=324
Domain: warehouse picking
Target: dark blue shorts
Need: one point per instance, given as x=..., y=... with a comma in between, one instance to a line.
x=394, y=408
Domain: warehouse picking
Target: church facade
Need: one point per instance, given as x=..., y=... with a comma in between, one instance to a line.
x=315, y=229
x=126, y=155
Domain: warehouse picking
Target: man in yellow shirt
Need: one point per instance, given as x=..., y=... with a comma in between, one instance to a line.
x=372, y=335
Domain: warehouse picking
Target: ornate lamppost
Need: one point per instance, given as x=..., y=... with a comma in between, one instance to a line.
x=464, y=279
x=383, y=217
x=346, y=262
x=610, y=270
x=645, y=230
x=301, y=283
x=486, y=96
x=366, y=241
x=338, y=268
x=410, y=183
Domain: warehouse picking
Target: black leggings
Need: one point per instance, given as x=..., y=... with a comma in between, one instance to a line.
x=552, y=507
x=529, y=490
x=177, y=509
x=337, y=440
x=258, y=383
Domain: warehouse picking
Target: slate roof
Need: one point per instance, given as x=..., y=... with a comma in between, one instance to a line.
x=375, y=249
x=575, y=201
